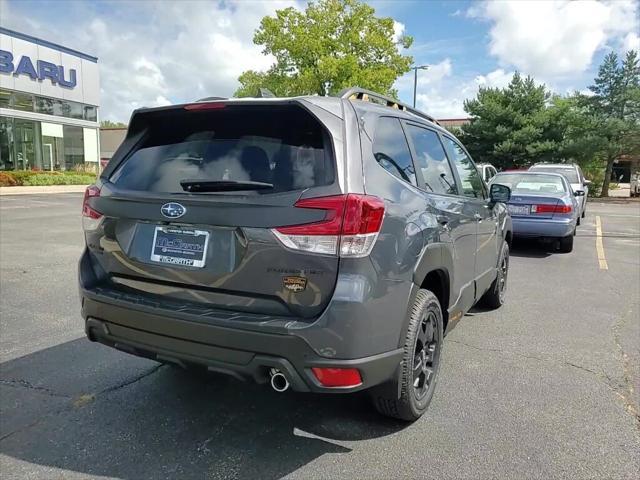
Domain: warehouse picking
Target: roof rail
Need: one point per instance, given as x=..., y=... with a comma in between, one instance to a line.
x=357, y=93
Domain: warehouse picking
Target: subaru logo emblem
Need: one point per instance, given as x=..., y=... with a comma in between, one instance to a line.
x=173, y=210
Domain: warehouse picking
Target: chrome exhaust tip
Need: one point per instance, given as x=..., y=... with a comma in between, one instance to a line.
x=278, y=380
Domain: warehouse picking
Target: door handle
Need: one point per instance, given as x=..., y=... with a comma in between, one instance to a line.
x=477, y=216
x=442, y=220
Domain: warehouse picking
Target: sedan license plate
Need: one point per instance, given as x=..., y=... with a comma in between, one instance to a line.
x=180, y=246
x=519, y=209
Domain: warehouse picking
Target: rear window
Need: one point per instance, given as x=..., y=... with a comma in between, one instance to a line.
x=569, y=173
x=530, y=183
x=281, y=145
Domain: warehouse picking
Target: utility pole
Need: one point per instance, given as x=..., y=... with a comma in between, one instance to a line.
x=415, y=80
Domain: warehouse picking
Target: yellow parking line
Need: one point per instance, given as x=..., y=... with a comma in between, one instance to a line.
x=599, y=246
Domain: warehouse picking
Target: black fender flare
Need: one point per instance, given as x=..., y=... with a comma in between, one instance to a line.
x=434, y=257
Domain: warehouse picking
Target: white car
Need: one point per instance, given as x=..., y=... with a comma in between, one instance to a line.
x=573, y=173
x=487, y=171
x=635, y=184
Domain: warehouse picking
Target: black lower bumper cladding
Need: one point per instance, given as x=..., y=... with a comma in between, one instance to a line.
x=244, y=354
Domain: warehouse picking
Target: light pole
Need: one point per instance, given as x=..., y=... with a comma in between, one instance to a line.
x=415, y=80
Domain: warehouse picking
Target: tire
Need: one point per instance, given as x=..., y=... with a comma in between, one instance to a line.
x=408, y=396
x=584, y=213
x=578, y=222
x=494, y=297
x=566, y=244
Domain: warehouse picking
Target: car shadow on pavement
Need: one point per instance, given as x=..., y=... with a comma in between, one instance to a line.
x=64, y=407
x=531, y=248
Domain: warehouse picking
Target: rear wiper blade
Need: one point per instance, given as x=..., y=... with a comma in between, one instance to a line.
x=222, y=185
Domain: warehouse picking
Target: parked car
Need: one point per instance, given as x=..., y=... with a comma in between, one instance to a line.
x=542, y=205
x=573, y=173
x=635, y=184
x=487, y=171
x=322, y=244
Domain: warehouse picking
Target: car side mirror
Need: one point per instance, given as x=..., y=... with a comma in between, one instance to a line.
x=499, y=193
x=579, y=193
x=587, y=182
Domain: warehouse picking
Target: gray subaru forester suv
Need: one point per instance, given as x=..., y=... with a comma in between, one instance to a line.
x=322, y=244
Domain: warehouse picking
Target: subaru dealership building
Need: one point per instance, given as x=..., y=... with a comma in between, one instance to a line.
x=49, y=100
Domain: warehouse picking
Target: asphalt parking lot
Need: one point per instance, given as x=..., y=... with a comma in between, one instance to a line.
x=545, y=387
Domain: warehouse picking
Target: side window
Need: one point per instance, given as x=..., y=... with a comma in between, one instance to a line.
x=469, y=176
x=391, y=151
x=432, y=161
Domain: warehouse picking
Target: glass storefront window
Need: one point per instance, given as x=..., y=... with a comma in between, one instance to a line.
x=49, y=106
x=26, y=138
x=90, y=113
x=6, y=143
x=5, y=98
x=22, y=101
x=73, y=146
x=32, y=145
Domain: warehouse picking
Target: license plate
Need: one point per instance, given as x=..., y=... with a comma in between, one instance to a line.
x=180, y=246
x=519, y=209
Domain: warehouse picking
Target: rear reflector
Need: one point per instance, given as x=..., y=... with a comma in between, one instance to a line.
x=337, y=377
x=90, y=217
x=350, y=226
x=205, y=106
x=546, y=208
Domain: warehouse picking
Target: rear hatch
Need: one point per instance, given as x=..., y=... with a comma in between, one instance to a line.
x=188, y=211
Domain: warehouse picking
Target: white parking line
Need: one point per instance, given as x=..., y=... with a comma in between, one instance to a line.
x=599, y=246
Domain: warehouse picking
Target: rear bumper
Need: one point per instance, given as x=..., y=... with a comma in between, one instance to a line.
x=244, y=354
x=536, y=227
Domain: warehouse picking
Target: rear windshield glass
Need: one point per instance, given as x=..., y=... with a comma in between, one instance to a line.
x=280, y=145
x=568, y=173
x=530, y=183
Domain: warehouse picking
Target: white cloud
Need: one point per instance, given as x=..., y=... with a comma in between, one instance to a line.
x=556, y=38
x=442, y=94
x=435, y=73
x=631, y=42
x=155, y=53
x=398, y=31
x=497, y=79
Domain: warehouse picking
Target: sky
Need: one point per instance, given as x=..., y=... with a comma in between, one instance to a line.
x=154, y=53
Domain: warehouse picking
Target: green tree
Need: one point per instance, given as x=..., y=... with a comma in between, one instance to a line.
x=332, y=45
x=510, y=126
x=110, y=124
x=615, y=110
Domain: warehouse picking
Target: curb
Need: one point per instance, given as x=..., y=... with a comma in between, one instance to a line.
x=44, y=189
x=616, y=200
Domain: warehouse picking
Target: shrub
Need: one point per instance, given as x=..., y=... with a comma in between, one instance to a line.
x=45, y=178
x=7, y=180
x=595, y=173
x=54, y=178
x=86, y=168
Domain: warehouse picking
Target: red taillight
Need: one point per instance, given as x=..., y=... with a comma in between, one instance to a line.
x=337, y=377
x=546, y=208
x=363, y=215
x=350, y=226
x=90, y=217
x=87, y=211
x=205, y=106
x=331, y=224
